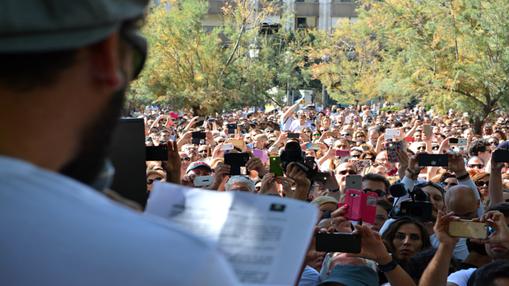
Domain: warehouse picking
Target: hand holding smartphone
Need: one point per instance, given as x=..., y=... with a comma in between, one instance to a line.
x=468, y=229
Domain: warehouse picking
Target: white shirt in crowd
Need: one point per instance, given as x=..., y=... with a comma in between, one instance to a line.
x=57, y=231
x=461, y=277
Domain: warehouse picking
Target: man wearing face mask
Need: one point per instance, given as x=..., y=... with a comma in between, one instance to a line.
x=65, y=67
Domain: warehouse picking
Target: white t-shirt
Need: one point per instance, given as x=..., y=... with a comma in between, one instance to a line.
x=57, y=231
x=461, y=277
x=285, y=125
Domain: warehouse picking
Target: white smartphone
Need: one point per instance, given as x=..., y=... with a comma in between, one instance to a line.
x=203, y=181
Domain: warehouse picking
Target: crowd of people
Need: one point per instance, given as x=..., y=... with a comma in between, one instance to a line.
x=382, y=146
x=420, y=197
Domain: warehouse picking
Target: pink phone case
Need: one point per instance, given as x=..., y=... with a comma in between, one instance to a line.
x=369, y=210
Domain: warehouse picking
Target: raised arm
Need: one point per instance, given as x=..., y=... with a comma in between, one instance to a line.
x=437, y=271
x=495, y=185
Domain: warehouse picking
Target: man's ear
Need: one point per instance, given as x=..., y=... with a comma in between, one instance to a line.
x=105, y=62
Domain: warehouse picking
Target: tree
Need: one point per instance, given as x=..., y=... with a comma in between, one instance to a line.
x=448, y=53
x=210, y=71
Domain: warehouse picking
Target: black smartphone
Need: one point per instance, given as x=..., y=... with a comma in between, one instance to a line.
x=421, y=210
x=434, y=160
x=293, y=135
x=501, y=155
x=197, y=137
x=453, y=140
x=338, y=242
x=231, y=128
x=237, y=162
x=321, y=177
x=156, y=153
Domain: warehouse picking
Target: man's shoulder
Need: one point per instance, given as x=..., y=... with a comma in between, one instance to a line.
x=70, y=221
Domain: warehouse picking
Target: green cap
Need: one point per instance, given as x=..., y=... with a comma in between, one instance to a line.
x=50, y=25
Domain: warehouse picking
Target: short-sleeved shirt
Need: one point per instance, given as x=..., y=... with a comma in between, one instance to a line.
x=57, y=231
x=461, y=277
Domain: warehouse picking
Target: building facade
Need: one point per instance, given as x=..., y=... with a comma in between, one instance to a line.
x=317, y=14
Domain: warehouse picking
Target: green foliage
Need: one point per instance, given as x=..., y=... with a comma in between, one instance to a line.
x=450, y=54
x=213, y=71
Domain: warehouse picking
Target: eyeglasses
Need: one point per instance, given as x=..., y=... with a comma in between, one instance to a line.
x=349, y=172
x=476, y=166
x=139, y=44
x=493, y=143
x=380, y=193
x=482, y=183
x=356, y=156
x=420, y=148
x=151, y=181
x=435, y=148
x=451, y=184
x=185, y=159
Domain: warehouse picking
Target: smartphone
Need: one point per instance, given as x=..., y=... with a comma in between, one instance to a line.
x=321, y=177
x=275, y=166
x=338, y=242
x=369, y=210
x=156, y=153
x=342, y=153
x=227, y=147
x=462, y=141
x=392, y=150
x=238, y=143
x=422, y=210
x=198, y=137
x=203, y=181
x=427, y=130
x=237, y=162
x=501, y=155
x=293, y=135
x=232, y=127
x=361, y=164
x=353, y=198
x=313, y=146
x=468, y=229
x=354, y=182
x=453, y=140
x=392, y=133
x=434, y=160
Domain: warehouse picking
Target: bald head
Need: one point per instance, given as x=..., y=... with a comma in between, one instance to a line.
x=462, y=201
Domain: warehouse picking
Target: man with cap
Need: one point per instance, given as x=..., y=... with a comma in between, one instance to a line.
x=65, y=67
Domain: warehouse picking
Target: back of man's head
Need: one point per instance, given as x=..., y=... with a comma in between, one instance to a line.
x=65, y=67
x=462, y=201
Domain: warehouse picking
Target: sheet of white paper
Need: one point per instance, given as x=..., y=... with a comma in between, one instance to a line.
x=265, y=238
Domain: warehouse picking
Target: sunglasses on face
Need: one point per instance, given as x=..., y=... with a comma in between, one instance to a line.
x=185, y=159
x=493, y=143
x=349, y=172
x=151, y=181
x=451, y=184
x=482, y=184
x=477, y=166
x=421, y=148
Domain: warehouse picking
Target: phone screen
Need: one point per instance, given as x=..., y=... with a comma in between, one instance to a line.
x=237, y=162
x=434, y=160
x=293, y=135
x=157, y=153
x=338, y=242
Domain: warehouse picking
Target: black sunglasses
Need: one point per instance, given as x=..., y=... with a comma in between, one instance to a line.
x=151, y=181
x=349, y=172
x=139, y=44
x=380, y=193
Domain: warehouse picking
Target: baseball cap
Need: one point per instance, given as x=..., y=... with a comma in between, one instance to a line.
x=52, y=25
x=198, y=164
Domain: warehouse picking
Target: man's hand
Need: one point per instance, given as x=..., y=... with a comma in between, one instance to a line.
x=457, y=165
x=255, y=164
x=442, y=226
x=497, y=220
x=294, y=172
x=269, y=186
x=174, y=163
x=221, y=171
x=338, y=218
x=372, y=245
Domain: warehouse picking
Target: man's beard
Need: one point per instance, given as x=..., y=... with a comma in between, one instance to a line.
x=93, y=150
